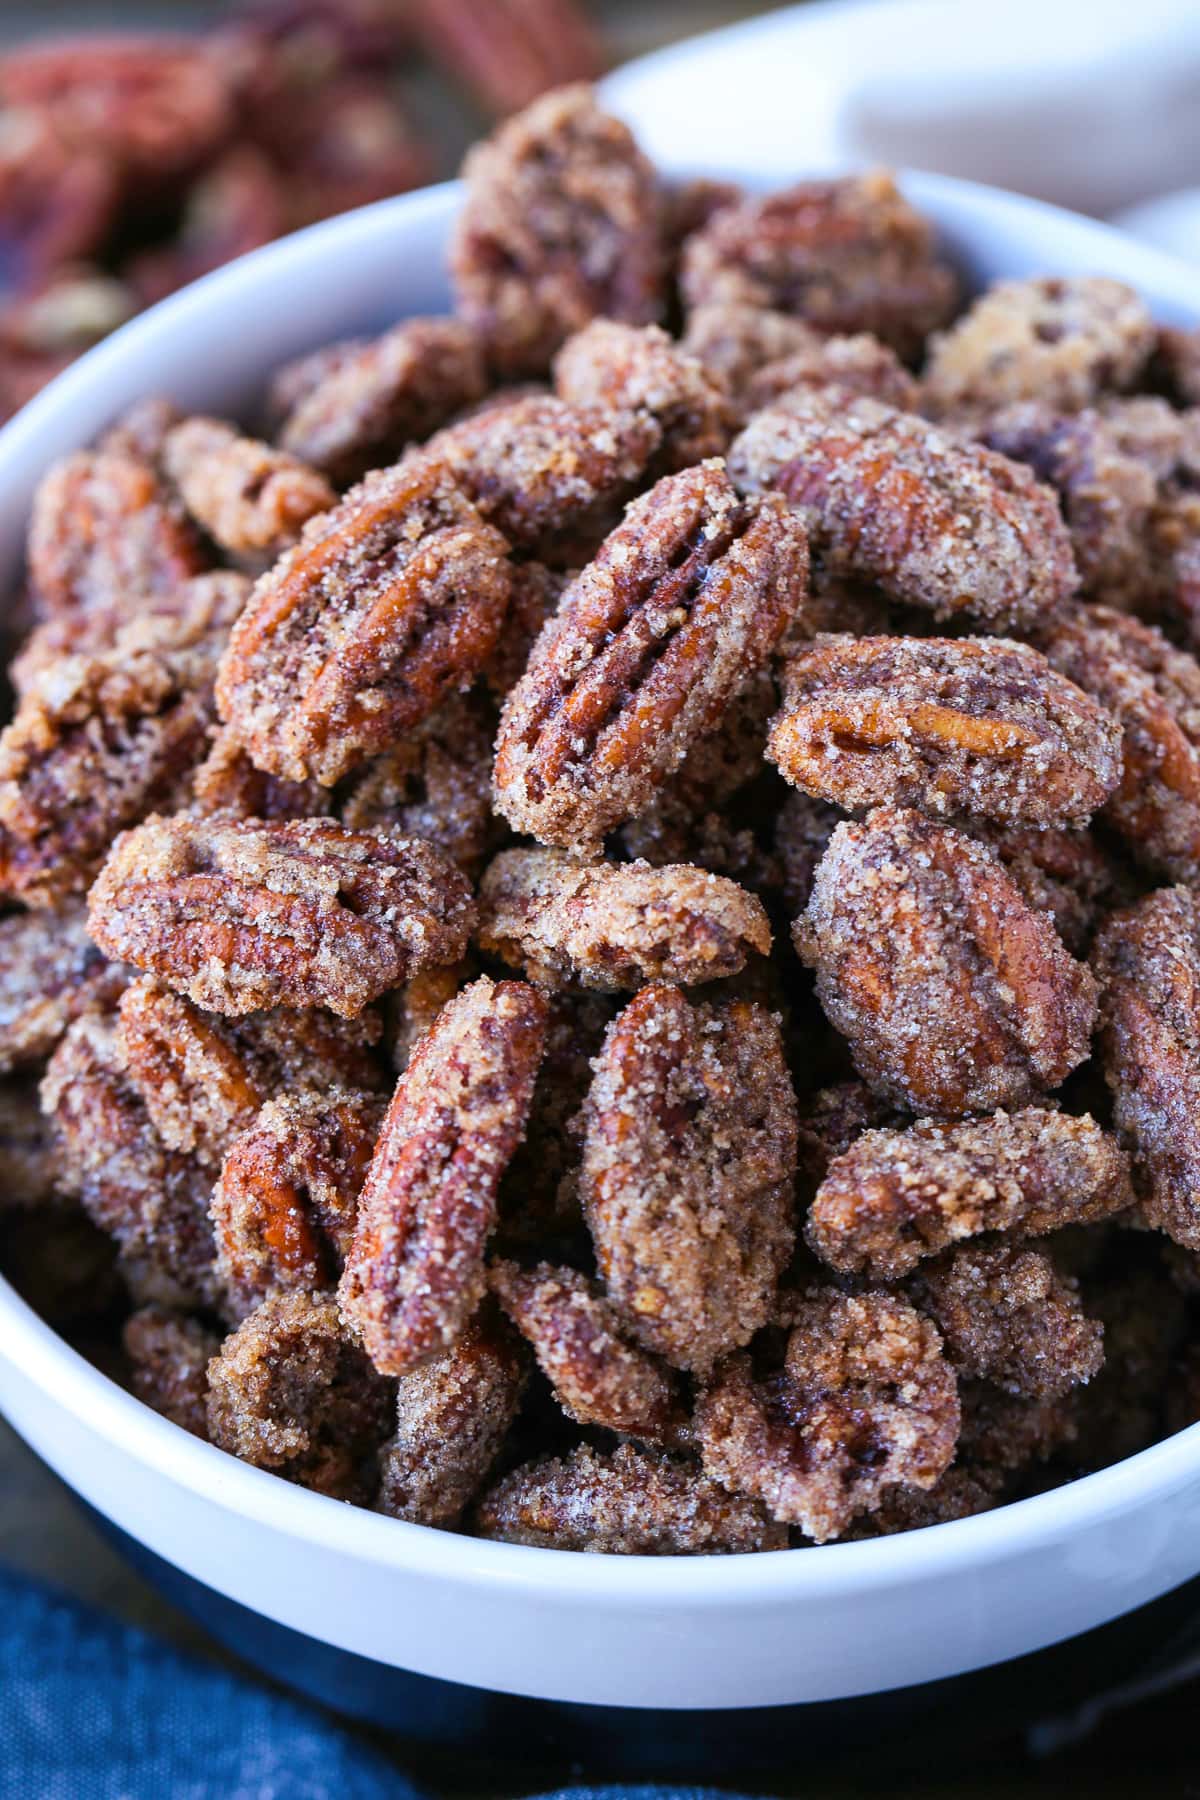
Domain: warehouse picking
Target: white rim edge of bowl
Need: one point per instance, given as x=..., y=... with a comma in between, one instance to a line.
x=47, y=1360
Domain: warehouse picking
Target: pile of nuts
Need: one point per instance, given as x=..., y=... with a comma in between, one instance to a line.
x=607, y=923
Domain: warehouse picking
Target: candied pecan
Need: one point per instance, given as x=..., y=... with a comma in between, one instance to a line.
x=1064, y=873
x=414, y=1273
x=452, y=1416
x=387, y=604
x=151, y=1200
x=628, y=1502
x=735, y=341
x=250, y=498
x=104, y=535
x=954, y=994
x=284, y=1205
x=896, y=1196
x=848, y=255
x=536, y=592
x=616, y=925
x=831, y=1119
x=561, y=223
x=960, y=1493
x=49, y=972
x=57, y=207
x=141, y=430
x=413, y=1008
x=293, y=382
x=228, y=782
x=976, y=726
x=865, y=1400
x=688, y=1169
x=648, y=648
x=237, y=205
x=1060, y=339
x=169, y=1356
x=30, y=1170
x=240, y=915
x=938, y=524
x=1154, y=691
x=1004, y=1436
x=366, y=403
x=627, y=369
x=290, y=1390
x=856, y=365
x=598, y=1376
x=435, y=784
x=1007, y=1316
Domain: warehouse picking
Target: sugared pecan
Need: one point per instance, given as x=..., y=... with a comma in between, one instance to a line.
x=1061, y=340
x=414, y=1273
x=629, y=1502
x=291, y=1391
x=386, y=605
x=30, y=1171
x=960, y=1493
x=688, y=1170
x=435, y=784
x=848, y=255
x=361, y=407
x=1154, y=691
x=616, y=925
x=865, y=1400
x=452, y=1417
x=896, y=1196
x=1067, y=874
x=169, y=1355
x=240, y=915
x=888, y=498
x=981, y=727
x=642, y=371
x=561, y=223
x=735, y=341
x=649, y=646
x=250, y=498
x=228, y=782
x=598, y=1376
x=857, y=365
x=49, y=972
x=954, y=994
x=413, y=1008
x=141, y=430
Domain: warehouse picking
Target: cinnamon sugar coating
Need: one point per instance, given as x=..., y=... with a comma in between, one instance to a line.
x=897, y=1196
x=414, y=1273
x=688, y=1170
x=251, y=499
x=50, y=971
x=954, y=994
x=888, y=498
x=865, y=1400
x=981, y=727
x=240, y=915
x=616, y=925
x=169, y=1355
x=627, y=1502
x=642, y=371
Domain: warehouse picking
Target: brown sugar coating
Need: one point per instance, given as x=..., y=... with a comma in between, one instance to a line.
x=598, y=1376
x=414, y=1273
x=981, y=727
x=240, y=915
x=635, y=370
x=1008, y=1317
x=688, y=1171
x=251, y=499
x=626, y=1502
x=848, y=255
x=284, y=1204
x=387, y=604
x=954, y=994
x=897, y=1196
x=228, y=782
x=50, y=971
x=860, y=364
x=360, y=410
x=435, y=784
x=30, y=1172
x=452, y=1417
x=886, y=497
x=169, y=1356
x=290, y=1390
x=1063, y=340
x=649, y=646
x=616, y=925
x=561, y=223
x=1148, y=962
x=865, y=1400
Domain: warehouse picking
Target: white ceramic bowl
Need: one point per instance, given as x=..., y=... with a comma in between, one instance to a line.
x=743, y=1631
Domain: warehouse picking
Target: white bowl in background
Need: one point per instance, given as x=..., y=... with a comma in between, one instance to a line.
x=715, y=1632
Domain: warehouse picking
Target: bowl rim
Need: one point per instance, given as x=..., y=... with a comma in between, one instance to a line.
x=45, y=1360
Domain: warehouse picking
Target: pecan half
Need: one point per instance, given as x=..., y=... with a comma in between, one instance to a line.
x=1067, y=874
x=169, y=1356
x=896, y=1196
x=688, y=1171
x=649, y=646
x=240, y=915
x=976, y=726
x=386, y=605
x=250, y=498
x=50, y=971
x=734, y=341
x=856, y=365
x=414, y=1273
x=630, y=370
x=954, y=994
